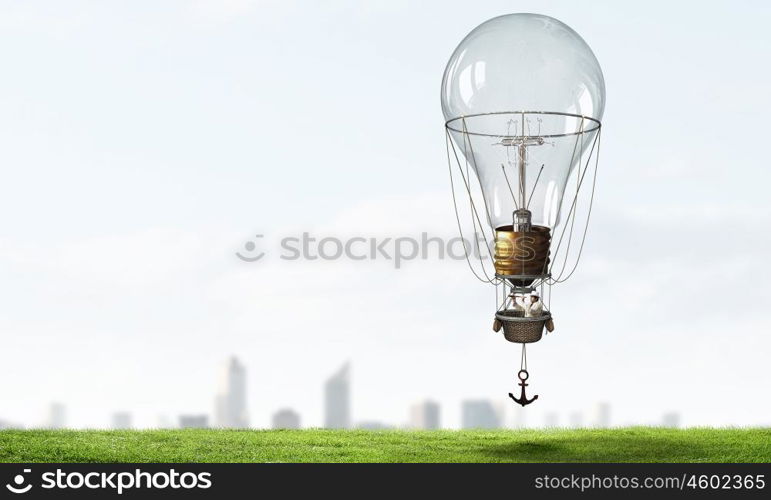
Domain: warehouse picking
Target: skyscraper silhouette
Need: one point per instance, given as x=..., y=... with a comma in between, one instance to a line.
x=424, y=415
x=479, y=414
x=601, y=418
x=193, y=421
x=121, y=420
x=551, y=419
x=230, y=404
x=337, y=404
x=576, y=420
x=57, y=416
x=286, y=419
x=518, y=416
x=372, y=425
x=671, y=419
x=4, y=424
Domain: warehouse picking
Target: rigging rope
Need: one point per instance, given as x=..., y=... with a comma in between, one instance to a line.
x=575, y=198
x=449, y=145
x=589, y=213
x=479, y=229
x=455, y=207
x=572, y=212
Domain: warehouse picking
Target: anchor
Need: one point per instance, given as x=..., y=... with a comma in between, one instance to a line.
x=522, y=400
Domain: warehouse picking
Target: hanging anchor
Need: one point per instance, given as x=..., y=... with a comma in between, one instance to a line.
x=522, y=400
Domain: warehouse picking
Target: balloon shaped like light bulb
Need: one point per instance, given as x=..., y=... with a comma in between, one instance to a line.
x=523, y=97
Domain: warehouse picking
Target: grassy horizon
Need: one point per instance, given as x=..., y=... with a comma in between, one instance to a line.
x=633, y=444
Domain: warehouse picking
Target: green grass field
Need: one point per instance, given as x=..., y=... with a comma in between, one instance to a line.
x=636, y=444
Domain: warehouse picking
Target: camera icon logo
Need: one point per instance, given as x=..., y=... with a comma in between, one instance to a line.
x=18, y=481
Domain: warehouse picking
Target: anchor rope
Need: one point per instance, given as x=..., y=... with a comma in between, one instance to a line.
x=523, y=358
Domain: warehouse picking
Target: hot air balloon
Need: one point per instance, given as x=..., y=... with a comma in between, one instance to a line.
x=523, y=98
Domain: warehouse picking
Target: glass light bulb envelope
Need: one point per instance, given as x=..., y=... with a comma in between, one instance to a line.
x=523, y=96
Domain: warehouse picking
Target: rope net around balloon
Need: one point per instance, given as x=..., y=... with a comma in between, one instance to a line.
x=530, y=170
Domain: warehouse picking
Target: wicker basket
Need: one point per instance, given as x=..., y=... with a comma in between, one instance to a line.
x=519, y=329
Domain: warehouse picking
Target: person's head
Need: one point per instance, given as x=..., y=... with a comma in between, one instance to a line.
x=533, y=299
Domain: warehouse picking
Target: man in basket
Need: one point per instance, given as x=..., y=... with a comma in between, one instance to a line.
x=529, y=306
x=533, y=307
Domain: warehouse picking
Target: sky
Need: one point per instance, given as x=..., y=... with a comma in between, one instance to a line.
x=143, y=144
